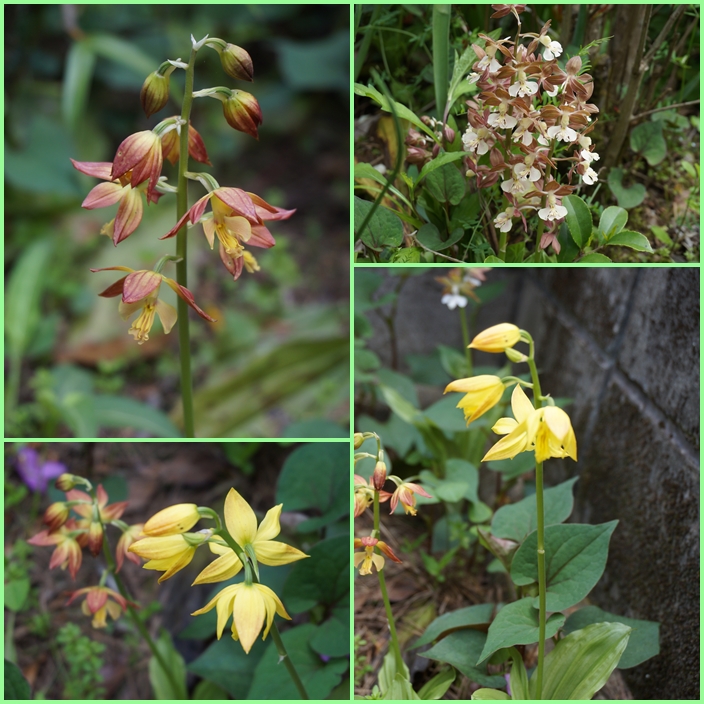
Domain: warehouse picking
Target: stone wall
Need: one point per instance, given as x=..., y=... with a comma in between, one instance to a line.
x=624, y=344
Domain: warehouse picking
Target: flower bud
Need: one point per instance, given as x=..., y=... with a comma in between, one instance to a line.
x=56, y=515
x=379, y=477
x=172, y=520
x=155, y=93
x=66, y=482
x=95, y=537
x=515, y=355
x=449, y=134
x=497, y=338
x=243, y=113
x=416, y=155
x=358, y=440
x=436, y=150
x=236, y=62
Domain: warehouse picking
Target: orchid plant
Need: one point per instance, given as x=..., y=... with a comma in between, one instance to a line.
x=525, y=153
x=134, y=177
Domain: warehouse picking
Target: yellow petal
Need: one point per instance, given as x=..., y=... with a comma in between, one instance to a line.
x=127, y=309
x=270, y=526
x=520, y=404
x=504, y=426
x=224, y=606
x=178, y=564
x=249, y=613
x=272, y=553
x=167, y=315
x=225, y=567
x=174, y=519
x=279, y=606
x=209, y=230
x=218, y=548
x=357, y=558
x=509, y=446
x=497, y=338
x=159, y=548
x=240, y=519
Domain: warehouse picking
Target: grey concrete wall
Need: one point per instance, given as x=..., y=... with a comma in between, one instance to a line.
x=624, y=344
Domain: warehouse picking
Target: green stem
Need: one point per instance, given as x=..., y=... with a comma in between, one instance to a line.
x=385, y=596
x=441, y=57
x=465, y=339
x=275, y=635
x=541, y=576
x=184, y=339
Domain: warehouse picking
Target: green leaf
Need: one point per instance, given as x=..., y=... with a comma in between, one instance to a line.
x=520, y=464
x=437, y=162
x=518, y=624
x=612, y=221
x=661, y=234
x=647, y=139
x=121, y=412
x=385, y=229
x=436, y=687
x=332, y=638
x=16, y=686
x=579, y=220
x=489, y=694
x=595, y=258
x=626, y=197
x=634, y=240
x=459, y=73
x=453, y=361
x=400, y=690
x=515, y=253
x=430, y=236
x=581, y=663
x=493, y=259
x=575, y=558
x=314, y=476
x=516, y=521
x=461, y=650
x=323, y=578
x=518, y=677
x=225, y=664
x=643, y=643
x=16, y=591
x=401, y=407
x=210, y=691
x=388, y=672
x=271, y=679
x=171, y=684
x=445, y=414
x=446, y=184
x=78, y=74
x=569, y=251
x=363, y=170
x=453, y=620
x=407, y=255
x=22, y=295
x=123, y=53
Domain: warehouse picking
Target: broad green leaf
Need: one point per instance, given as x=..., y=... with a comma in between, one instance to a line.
x=436, y=687
x=400, y=690
x=15, y=593
x=579, y=220
x=401, y=383
x=271, y=680
x=515, y=252
x=661, y=234
x=516, y=521
x=634, y=240
x=453, y=361
x=647, y=139
x=323, y=578
x=446, y=184
x=517, y=624
x=401, y=407
x=489, y=694
x=314, y=428
x=171, y=684
x=210, y=691
x=332, y=639
x=407, y=255
x=78, y=74
x=385, y=229
x=16, y=686
x=520, y=464
x=595, y=258
x=461, y=649
x=461, y=618
x=121, y=412
x=569, y=250
x=626, y=197
x=575, y=558
x=519, y=677
x=401, y=110
x=22, y=295
x=314, y=476
x=436, y=163
x=581, y=663
x=643, y=643
x=493, y=259
x=463, y=472
x=430, y=236
x=612, y=221
x=459, y=72
x=445, y=414
x=388, y=672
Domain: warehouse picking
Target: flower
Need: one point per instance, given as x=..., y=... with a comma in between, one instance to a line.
x=365, y=560
x=553, y=211
x=364, y=495
x=523, y=86
x=552, y=48
x=242, y=112
x=238, y=218
x=155, y=92
x=497, y=338
x=140, y=156
x=236, y=62
x=172, y=520
x=547, y=430
x=56, y=515
x=130, y=536
x=171, y=144
x=170, y=553
x=67, y=553
x=140, y=291
x=241, y=523
x=482, y=393
x=250, y=605
x=405, y=493
x=99, y=606
x=503, y=221
x=34, y=473
x=460, y=283
x=378, y=478
x=93, y=538
x=472, y=140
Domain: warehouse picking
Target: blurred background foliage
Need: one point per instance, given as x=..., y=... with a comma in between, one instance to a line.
x=276, y=362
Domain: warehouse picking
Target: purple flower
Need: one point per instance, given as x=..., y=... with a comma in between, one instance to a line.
x=33, y=472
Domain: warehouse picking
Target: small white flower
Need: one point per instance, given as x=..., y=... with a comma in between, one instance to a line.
x=525, y=172
x=553, y=211
x=552, y=93
x=503, y=221
x=589, y=156
x=584, y=142
x=490, y=62
x=502, y=120
x=454, y=299
x=474, y=141
x=552, y=48
x=381, y=168
x=473, y=77
x=589, y=176
x=523, y=88
x=562, y=133
x=516, y=186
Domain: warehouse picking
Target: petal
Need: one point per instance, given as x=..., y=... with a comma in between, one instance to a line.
x=178, y=518
x=160, y=548
x=129, y=215
x=225, y=567
x=179, y=564
x=240, y=519
x=270, y=527
x=224, y=609
x=261, y=237
x=239, y=201
x=167, y=315
x=139, y=285
x=103, y=195
x=187, y=296
x=127, y=309
x=249, y=613
x=272, y=553
x=239, y=226
x=98, y=169
x=114, y=289
x=504, y=426
x=209, y=230
x=96, y=599
x=520, y=404
x=509, y=446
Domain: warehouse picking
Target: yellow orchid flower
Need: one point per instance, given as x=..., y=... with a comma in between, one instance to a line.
x=482, y=393
x=547, y=430
x=169, y=554
x=250, y=605
x=242, y=526
x=497, y=338
x=172, y=520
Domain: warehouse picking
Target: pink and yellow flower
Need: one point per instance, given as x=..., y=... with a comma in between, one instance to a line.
x=67, y=553
x=101, y=601
x=130, y=536
x=93, y=537
x=368, y=558
x=405, y=493
x=364, y=495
